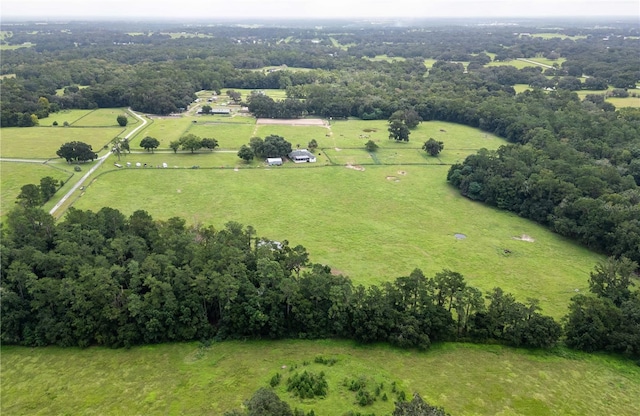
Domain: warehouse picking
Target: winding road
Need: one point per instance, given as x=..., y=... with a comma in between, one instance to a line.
x=99, y=163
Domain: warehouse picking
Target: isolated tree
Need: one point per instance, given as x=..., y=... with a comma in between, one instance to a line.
x=206, y=109
x=398, y=131
x=122, y=120
x=191, y=142
x=371, y=146
x=433, y=147
x=312, y=145
x=77, y=151
x=149, y=143
x=209, y=143
x=245, y=153
x=174, y=145
x=124, y=145
x=48, y=187
x=409, y=117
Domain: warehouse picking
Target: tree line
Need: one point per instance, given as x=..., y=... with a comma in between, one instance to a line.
x=106, y=279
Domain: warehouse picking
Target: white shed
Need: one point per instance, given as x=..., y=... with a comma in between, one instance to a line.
x=274, y=161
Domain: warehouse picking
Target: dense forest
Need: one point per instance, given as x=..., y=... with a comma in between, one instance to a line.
x=572, y=164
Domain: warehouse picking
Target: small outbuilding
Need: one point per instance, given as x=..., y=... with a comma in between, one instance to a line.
x=274, y=161
x=302, y=156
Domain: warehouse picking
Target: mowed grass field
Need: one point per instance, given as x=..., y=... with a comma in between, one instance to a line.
x=372, y=225
x=188, y=378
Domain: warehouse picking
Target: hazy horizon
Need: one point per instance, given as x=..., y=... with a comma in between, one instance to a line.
x=304, y=9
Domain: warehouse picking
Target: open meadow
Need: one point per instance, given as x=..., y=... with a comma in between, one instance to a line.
x=192, y=378
x=372, y=225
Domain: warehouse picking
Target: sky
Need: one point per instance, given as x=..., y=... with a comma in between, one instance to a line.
x=75, y=9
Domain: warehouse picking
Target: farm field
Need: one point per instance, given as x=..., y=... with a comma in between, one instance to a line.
x=230, y=135
x=43, y=142
x=372, y=225
x=193, y=379
x=557, y=35
x=70, y=116
x=105, y=117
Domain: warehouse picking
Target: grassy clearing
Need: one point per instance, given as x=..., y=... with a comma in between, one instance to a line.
x=514, y=63
x=43, y=142
x=557, y=35
x=385, y=58
x=13, y=47
x=5, y=76
x=625, y=102
x=15, y=175
x=203, y=159
x=409, y=220
x=191, y=379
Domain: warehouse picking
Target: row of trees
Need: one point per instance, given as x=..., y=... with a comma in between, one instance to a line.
x=32, y=195
x=106, y=279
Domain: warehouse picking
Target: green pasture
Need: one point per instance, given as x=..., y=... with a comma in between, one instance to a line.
x=372, y=225
x=230, y=135
x=43, y=142
x=6, y=47
x=295, y=135
x=386, y=156
x=104, y=117
x=516, y=63
x=557, y=35
x=429, y=62
x=70, y=116
x=165, y=130
x=355, y=133
x=17, y=174
x=550, y=62
x=625, y=102
x=275, y=94
x=385, y=58
x=190, y=378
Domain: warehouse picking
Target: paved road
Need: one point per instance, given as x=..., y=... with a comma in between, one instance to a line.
x=99, y=163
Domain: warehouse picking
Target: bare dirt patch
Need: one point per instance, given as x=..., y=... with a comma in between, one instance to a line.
x=525, y=237
x=179, y=191
x=293, y=121
x=337, y=149
x=392, y=178
x=354, y=167
x=402, y=172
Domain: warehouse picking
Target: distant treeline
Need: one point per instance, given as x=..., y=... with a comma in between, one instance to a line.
x=105, y=279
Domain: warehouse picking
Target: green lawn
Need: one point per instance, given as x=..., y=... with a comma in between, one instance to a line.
x=295, y=135
x=191, y=379
x=43, y=142
x=15, y=175
x=372, y=225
